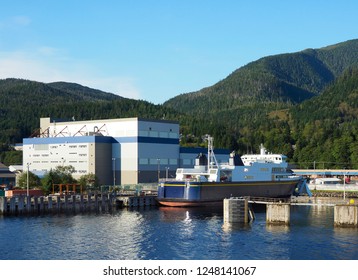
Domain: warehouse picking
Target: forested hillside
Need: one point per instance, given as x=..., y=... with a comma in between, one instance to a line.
x=325, y=128
x=303, y=105
x=23, y=102
x=284, y=80
x=259, y=103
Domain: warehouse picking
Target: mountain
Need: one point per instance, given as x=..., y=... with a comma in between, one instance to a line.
x=83, y=92
x=303, y=104
x=279, y=80
x=24, y=102
x=325, y=128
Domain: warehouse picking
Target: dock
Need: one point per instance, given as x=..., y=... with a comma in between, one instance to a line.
x=238, y=209
x=83, y=203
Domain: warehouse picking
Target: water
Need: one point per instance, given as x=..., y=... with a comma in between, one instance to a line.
x=176, y=234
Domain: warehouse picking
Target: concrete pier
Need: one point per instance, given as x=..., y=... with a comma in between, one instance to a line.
x=236, y=210
x=278, y=213
x=346, y=215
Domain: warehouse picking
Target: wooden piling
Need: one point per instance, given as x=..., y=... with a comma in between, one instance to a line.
x=278, y=213
x=3, y=204
x=58, y=204
x=42, y=205
x=346, y=215
x=28, y=204
x=70, y=203
x=81, y=203
x=20, y=204
x=96, y=202
x=36, y=204
x=103, y=202
x=73, y=202
x=49, y=204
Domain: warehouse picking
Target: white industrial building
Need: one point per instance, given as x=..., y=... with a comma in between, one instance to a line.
x=118, y=151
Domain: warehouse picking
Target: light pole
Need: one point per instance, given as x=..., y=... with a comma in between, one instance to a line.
x=166, y=172
x=344, y=185
x=158, y=161
x=114, y=171
x=27, y=178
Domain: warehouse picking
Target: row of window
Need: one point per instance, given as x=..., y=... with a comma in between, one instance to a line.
x=157, y=134
x=155, y=161
x=46, y=147
x=56, y=161
x=77, y=146
x=46, y=155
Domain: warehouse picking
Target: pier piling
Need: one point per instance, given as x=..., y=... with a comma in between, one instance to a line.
x=278, y=213
x=346, y=215
x=104, y=202
x=236, y=210
x=3, y=204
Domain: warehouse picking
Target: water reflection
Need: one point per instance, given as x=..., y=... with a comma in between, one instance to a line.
x=232, y=227
x=176, y=233
x=174, y=214
x=279, y=228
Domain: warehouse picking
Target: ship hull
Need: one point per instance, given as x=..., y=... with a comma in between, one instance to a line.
x=184, y=194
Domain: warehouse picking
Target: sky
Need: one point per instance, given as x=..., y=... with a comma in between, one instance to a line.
x=154, y=50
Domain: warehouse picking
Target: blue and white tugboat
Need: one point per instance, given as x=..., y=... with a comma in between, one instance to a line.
x=261, y=175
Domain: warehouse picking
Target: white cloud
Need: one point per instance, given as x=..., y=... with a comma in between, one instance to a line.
x=20, y=20
x=15, y=21
x=48, y=64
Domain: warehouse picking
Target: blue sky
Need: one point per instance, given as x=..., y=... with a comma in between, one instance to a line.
x=155, y=50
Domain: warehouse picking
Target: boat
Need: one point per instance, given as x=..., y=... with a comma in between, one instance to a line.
x=262, y=175
x=332, y=184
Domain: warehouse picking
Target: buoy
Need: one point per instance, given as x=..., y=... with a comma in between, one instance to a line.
x=351, y=201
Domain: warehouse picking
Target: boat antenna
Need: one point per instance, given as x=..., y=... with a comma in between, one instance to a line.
x=212, y=162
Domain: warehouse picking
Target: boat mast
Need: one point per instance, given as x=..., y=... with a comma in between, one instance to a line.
x=212, y=162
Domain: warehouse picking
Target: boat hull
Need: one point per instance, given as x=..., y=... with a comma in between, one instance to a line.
x=183, y=194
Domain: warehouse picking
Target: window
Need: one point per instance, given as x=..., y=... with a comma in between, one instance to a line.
x=163, y=134
x=143, y=133
x=154, y=161
x=187, y=161
x=153, y=133
x=41, y=147
x=173, y=161
x=143, y=161
x=173, y=135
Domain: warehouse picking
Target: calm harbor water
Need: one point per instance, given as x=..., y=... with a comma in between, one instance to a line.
x=176, y=234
